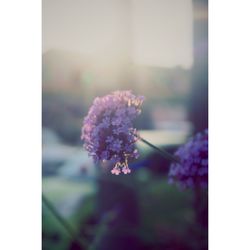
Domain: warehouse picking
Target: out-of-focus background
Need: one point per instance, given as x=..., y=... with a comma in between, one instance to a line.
x=156, y=48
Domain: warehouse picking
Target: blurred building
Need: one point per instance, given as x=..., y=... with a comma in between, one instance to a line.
x=91, y=48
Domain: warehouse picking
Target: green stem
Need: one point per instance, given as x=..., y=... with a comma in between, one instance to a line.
x=71, y=232
x=103, y=227
x=164, y=153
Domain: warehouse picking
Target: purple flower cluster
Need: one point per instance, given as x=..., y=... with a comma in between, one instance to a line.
x=193, y=170
x=108, y=131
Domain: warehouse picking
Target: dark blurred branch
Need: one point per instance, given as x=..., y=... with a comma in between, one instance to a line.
x=71, y=232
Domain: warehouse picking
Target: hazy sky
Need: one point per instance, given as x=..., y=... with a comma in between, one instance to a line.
x=154, y=32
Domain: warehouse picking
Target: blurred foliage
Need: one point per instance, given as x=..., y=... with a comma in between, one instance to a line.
x=57, y=188
x=159, y=216
x=53, y=235
x=63, y=114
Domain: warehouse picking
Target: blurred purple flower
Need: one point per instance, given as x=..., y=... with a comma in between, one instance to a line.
x=193, y=170
x=108, y=131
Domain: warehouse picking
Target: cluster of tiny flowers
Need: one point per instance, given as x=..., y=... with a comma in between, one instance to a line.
x=193, y=168
x=108, y=131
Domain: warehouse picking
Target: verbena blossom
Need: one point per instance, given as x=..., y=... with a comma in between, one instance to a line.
x=108, y=131
x=193, y=168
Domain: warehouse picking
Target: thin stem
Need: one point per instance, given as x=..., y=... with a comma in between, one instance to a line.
x=64, y=223
x=103, y=227
x=164, y=153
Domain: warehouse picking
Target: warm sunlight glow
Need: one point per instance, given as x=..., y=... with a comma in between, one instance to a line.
x=157, y=33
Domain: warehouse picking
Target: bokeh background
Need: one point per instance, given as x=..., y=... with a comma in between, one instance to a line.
x=156, y=48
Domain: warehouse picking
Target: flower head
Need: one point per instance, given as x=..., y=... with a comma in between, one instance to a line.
x=108, y=131
x=193, y=170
